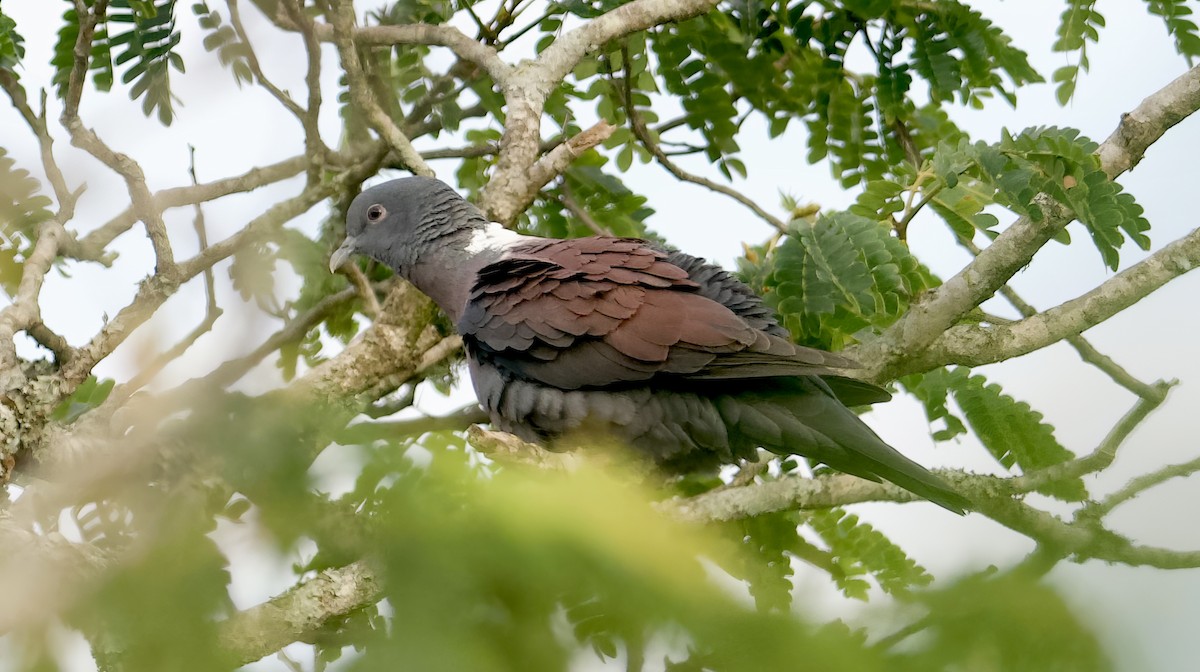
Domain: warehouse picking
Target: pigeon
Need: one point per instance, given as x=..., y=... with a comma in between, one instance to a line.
x=620, y=338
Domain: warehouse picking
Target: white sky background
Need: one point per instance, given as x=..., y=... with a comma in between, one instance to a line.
x=1146, y=617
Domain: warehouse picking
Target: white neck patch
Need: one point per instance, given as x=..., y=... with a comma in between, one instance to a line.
x=493, y=238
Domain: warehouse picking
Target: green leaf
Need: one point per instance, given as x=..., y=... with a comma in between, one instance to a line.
x=769, y=541
x=90, y=394
x=147, y=47
x=1062, y=163
x=1012, y=432
x=1066, y=77
x=22, y=205
x=1175, y=15
x=859, y=549
x=12, y=45
x=1080, y=24
x=844, y=273
x=100, y=61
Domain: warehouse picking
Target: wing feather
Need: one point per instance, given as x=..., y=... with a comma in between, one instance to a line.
x=594, y=312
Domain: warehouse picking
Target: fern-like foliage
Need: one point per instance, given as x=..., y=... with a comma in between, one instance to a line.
x=961, y=53
x=223, y=39
x=766, y=567
x=859, y=550
x=138, y=35
x=1080, y=24
x=789, y=61
x=99, y=63
x=147, y=45
x=22, y=208
x=1016, y=173
x=1062, y=163
x=838, y=275
x=850, y=551
x=12, y=45
x=1013, y=433
x=1175, y=15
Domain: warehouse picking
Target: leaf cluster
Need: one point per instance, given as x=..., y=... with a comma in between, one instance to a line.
x=138, y=35
x=831, y=278
x=1013, y=433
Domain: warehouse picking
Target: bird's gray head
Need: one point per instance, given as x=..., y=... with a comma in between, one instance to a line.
x=401, y=221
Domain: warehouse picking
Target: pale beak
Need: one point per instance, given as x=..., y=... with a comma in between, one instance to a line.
x=341, y=254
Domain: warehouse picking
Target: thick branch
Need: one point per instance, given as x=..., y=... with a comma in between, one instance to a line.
x=512, y=186
x=976, y=345
x=421, y=33
x=391, y=349
x=266, y=628
x=565, y=53
x=1015, y=247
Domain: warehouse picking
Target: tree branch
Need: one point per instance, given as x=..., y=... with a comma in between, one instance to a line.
x=360, y=91
x=1086, y=351
x=643, y=135
x=894, y=353
x=1136, y=487
x=91, y=247
x=976, y=345
x=516, y=179
x=264, y=629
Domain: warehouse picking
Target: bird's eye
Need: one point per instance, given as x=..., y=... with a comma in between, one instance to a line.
x=376, y=213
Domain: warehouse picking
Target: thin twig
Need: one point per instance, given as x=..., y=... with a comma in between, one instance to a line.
x=1104, y=454
x=91, y=247
x=366, y=432
x=365, y=291
x=314, y=147
x=569, y=202
x=155, y=290
x=211, y=311
x=235, y=18
x=1136, y=487
x=296, y=328
x=638, y=126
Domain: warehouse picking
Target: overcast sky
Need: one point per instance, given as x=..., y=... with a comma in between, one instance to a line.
x=1147, y=617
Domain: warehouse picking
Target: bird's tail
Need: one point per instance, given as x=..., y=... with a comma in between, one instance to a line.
x=805, y=419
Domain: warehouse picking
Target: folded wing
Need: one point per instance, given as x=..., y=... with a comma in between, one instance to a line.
x=599, y=312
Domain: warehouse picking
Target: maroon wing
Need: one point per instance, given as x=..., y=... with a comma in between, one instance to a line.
x=596, y=312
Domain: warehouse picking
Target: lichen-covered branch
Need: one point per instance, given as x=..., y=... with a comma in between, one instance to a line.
x=1087, y=352
x=266, y=628
x=391, y=349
